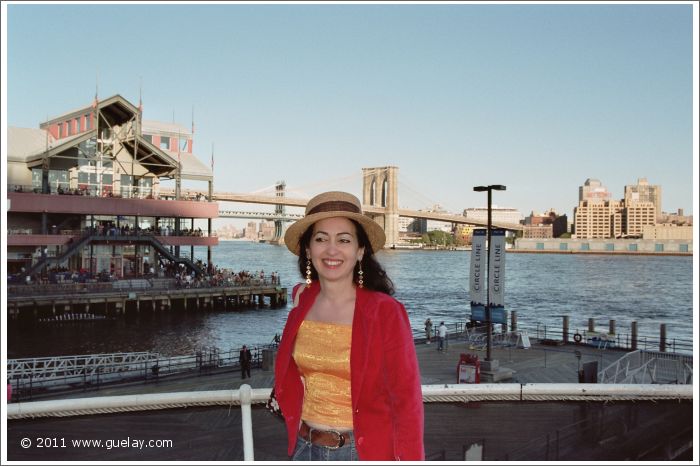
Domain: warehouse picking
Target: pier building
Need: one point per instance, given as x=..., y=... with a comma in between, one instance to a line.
x=85, y=195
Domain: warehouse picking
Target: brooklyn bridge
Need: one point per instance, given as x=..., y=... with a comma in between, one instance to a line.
x=380, y=201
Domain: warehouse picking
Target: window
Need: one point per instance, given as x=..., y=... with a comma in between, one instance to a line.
x=659, y=247
x=144, y=188
x=58, y=179
x=86, y=179
x=88, y=122
x=60, y=131
x=563, y=246
x=585, y=247
x=539, y=246
x=632, y=247
x=78, y=127
x=610, y=247
x=165, y=142
x=148, y=138
x=126, y=185
x=68, y=128
x=36, y=179
x=183, y=144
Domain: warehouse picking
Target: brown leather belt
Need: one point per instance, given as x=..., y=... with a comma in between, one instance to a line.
x=326, y=438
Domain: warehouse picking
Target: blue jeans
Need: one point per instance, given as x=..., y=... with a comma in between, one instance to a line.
x=441, y=343
x=307, y=451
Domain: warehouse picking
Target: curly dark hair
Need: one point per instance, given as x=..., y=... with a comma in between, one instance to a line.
x=374, y=276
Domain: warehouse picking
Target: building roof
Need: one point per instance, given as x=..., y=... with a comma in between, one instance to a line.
x=150, y=126
x=24, y=143
x=116, y=109
x=29, y=145
x=192, y=167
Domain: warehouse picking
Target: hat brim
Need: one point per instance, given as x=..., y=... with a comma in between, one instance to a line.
x=374, y=232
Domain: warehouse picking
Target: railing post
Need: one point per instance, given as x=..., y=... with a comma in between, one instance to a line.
x=513, y=321
x=634, y=336
x=245, y=394
x=565, y=329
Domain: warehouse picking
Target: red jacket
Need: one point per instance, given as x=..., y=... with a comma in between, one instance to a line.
x=385, y=381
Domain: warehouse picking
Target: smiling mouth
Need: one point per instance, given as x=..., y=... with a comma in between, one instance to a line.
x=332, y=263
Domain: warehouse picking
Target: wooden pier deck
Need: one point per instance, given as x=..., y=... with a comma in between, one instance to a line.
x=118, y=301
x=585, y=431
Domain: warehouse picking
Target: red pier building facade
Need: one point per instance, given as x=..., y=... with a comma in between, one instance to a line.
x=85, y=194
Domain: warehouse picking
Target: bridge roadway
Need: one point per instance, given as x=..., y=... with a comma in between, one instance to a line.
x=297, y=202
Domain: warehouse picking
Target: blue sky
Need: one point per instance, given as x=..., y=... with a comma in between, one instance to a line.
x=536, y=97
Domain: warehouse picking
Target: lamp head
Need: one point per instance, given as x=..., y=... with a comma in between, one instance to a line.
x=491, y=187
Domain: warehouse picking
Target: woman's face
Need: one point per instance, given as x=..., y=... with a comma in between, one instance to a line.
x=334, y=249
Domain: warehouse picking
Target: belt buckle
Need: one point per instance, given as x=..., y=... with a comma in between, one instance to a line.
x=341, y=439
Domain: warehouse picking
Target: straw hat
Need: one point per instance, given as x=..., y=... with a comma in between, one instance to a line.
x=334, y=204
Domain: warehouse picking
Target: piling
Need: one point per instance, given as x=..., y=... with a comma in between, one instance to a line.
x=513, y=321
x=591, y=325
x=662, y=338
x=612, y=327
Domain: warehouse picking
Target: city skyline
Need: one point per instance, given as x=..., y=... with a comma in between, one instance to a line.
x=536, y=97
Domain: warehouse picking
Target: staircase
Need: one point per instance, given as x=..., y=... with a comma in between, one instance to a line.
x=46, y=261
x=96, y=239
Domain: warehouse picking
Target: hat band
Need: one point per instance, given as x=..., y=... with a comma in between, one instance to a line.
x=335, y=206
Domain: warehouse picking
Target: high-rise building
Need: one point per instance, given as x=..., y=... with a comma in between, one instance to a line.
x=643, y=192
x=592, y=190
x=598, y=219
x=636, y=216
x=251, y=231
x=267, y=230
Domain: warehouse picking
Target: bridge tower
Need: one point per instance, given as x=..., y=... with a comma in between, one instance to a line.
x=280, y=188
x=380, y=189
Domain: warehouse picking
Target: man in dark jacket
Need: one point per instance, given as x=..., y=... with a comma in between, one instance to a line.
x=244, y=358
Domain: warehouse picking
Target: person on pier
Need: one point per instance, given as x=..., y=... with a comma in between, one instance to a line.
x=428, y=330
x=346, y=375
x=442, y=335
x=245, y=358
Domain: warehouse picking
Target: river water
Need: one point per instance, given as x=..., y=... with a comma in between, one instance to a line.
x=540, y=287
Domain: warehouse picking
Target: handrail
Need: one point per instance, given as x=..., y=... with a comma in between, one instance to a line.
x=627, y=368
x=245, y=397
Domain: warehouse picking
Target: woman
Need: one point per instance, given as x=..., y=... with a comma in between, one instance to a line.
x=346, y=375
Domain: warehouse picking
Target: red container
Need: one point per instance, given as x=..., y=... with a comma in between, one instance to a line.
x=468, y=369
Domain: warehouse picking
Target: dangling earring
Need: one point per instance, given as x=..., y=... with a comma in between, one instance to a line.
x=360, y=282
x=308, y=273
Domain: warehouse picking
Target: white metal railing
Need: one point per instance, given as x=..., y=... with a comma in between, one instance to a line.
x=245, y=397
x=68, y=366
x=649, y=367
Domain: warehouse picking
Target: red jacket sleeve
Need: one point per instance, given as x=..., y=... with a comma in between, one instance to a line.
x=402, y=375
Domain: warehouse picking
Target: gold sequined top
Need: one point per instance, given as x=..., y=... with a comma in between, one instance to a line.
x=322, y=354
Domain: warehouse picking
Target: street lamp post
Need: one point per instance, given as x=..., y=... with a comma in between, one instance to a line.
x=489, y=329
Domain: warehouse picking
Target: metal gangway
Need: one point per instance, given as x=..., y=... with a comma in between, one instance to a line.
x=31, y=376
x=649, y=367
x=59, y=369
